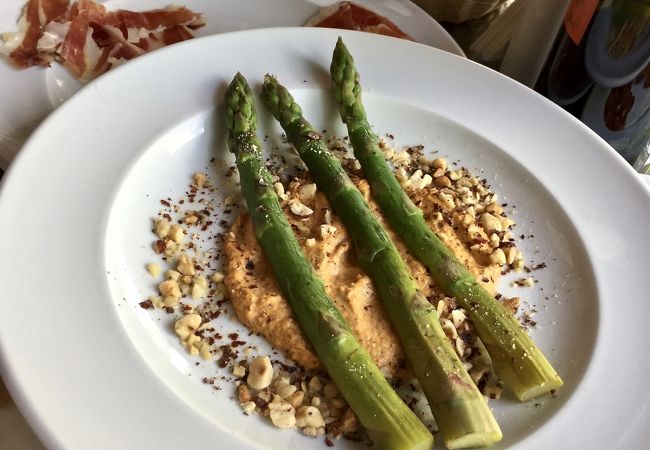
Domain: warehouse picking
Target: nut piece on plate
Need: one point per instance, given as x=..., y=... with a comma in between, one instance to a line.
x=301, y=210
x=309, y=416
x=187, y=325
x=260, y=373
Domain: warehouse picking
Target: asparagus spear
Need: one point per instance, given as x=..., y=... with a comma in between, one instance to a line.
x=515, y=356
x=461, y=412
x=389, y=422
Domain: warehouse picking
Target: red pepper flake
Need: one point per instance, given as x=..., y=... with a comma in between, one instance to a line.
x=147, y=304
x=166, y=203
x=329, y=442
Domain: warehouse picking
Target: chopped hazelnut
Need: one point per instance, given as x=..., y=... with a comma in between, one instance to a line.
x=185, y=265
x=170, y=288
x=176, y=233
x=307, y=191
x=498, y=257
x=349, y=422
x=153, y=269
x=309, y=416
x=162, y=228
x=260, y=373
x=199, y=180
x=283, y=419
x=301, y=210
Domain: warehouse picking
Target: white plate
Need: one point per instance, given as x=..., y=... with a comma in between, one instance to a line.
x=90, y=369
x=28, y=96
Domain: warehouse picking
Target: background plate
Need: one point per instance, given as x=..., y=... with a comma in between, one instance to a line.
x=28, y=96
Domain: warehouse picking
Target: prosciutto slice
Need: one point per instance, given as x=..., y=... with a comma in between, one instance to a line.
x=88, y=39
x=348, y=16
x=21, y=46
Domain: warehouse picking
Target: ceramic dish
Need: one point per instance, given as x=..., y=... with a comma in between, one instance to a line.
x=89, y=368
x=28, y=96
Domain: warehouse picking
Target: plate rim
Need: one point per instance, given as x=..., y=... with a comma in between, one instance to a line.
x=22, y=399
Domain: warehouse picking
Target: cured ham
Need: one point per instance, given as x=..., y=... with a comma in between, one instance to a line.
x=88, y=39
x=348, y=16
x=21, y=47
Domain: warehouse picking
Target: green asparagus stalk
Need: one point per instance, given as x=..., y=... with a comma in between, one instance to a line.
x=460, y=410
x=516, y=358
x=389, y=422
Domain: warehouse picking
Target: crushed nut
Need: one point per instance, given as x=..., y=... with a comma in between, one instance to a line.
x=301, y=210
x=171, y=302
x=199, y=287
x=248, y=407
x=330, y=390
x=295, y=399
x=327, y=230
x=315, y=385
x=204, y=351
x=440, y=163
x=243, y=393
x=238, y=371
x=307, y=191
x=170, y=288
x=187, y=325
x=260, y=373
x=162, y=228
x=498, y=257
x=309, y=416
x=458, y=317
x=283, y=419
x=217, y=277
x=176, y=233
x=442, y=181
x=349, y=422
x=512, y=304
x=286, y=390
x=510, y=254
x=153, y=269
x=489, y=222
x=185, y=265
x=449, y=329
x=199, y=179
x=279, y=191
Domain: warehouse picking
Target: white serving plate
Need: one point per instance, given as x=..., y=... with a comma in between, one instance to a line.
x=90, y=369
x=28, y=96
